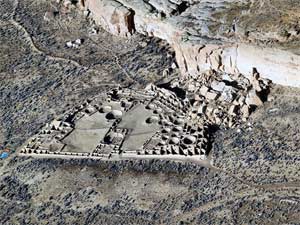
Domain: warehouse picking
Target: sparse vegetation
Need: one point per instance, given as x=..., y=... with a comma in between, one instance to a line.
x=255, y=174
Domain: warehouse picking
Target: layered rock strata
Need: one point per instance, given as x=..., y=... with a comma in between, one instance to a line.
x=229, y=35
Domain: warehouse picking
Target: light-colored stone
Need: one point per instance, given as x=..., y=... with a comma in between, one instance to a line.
x=174, y=66
x=197, y=97
x=226, y=77
x=67, y=3
x=55, y=124
x=218, y=86
x=202, y=109
x=228, y=94
x=203, y=90
x=212, y=95
x=78, y=41
x=233, y=110
x=69, y=44
x=198, y=47
x=50, y=15
x=241, y=100
x=253, y=99
x=112, y=16
x=86, y=13
x=245, y=111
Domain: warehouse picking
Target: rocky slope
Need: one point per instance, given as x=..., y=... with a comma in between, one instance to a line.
x=228, y=35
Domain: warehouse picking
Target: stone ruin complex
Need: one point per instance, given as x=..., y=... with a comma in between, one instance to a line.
x=225, y=76
x=174, y=122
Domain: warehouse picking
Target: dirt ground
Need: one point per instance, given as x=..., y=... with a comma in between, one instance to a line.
x=41, y=77
x=255, y=173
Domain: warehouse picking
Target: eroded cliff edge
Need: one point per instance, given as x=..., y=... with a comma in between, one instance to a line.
x=229, y=35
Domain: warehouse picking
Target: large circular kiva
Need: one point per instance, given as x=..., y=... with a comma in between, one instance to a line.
x=188, y=140
x=114, y=114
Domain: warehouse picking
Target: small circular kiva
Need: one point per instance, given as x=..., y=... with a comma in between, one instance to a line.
x=150, y=106
x=189, y=140
x=106, y=109
x=175, y=140
x=152, y=119
x=114, y=114
x=177, y=129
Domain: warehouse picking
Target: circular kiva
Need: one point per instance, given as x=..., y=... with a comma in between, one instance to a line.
x=166, y=130
x=174, y=140
x=106, y=109
x=177, y=129
x=158, y=111
x=150, y=106
x=152, y=119
x=188, y=140
x=114, y=114
x=165, y=137
x=125, y=103
x=162, y=143
x=179, y=121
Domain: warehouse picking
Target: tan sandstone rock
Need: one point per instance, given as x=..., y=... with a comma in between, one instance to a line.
x=253, y=99
x=112, y=16
x=205, y=37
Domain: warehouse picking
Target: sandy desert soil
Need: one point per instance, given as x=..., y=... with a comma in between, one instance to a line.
x=255, y=174
x=41, y=77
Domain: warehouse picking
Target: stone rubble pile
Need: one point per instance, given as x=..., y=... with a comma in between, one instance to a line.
x=69, y=3
x=74, y=44
x=223, y=99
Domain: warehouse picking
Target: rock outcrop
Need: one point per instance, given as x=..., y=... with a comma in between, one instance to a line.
x=229, y=35
x=112, y=16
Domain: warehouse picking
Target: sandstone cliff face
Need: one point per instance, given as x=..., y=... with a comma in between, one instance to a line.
x=112, y=16
x=228, y=35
